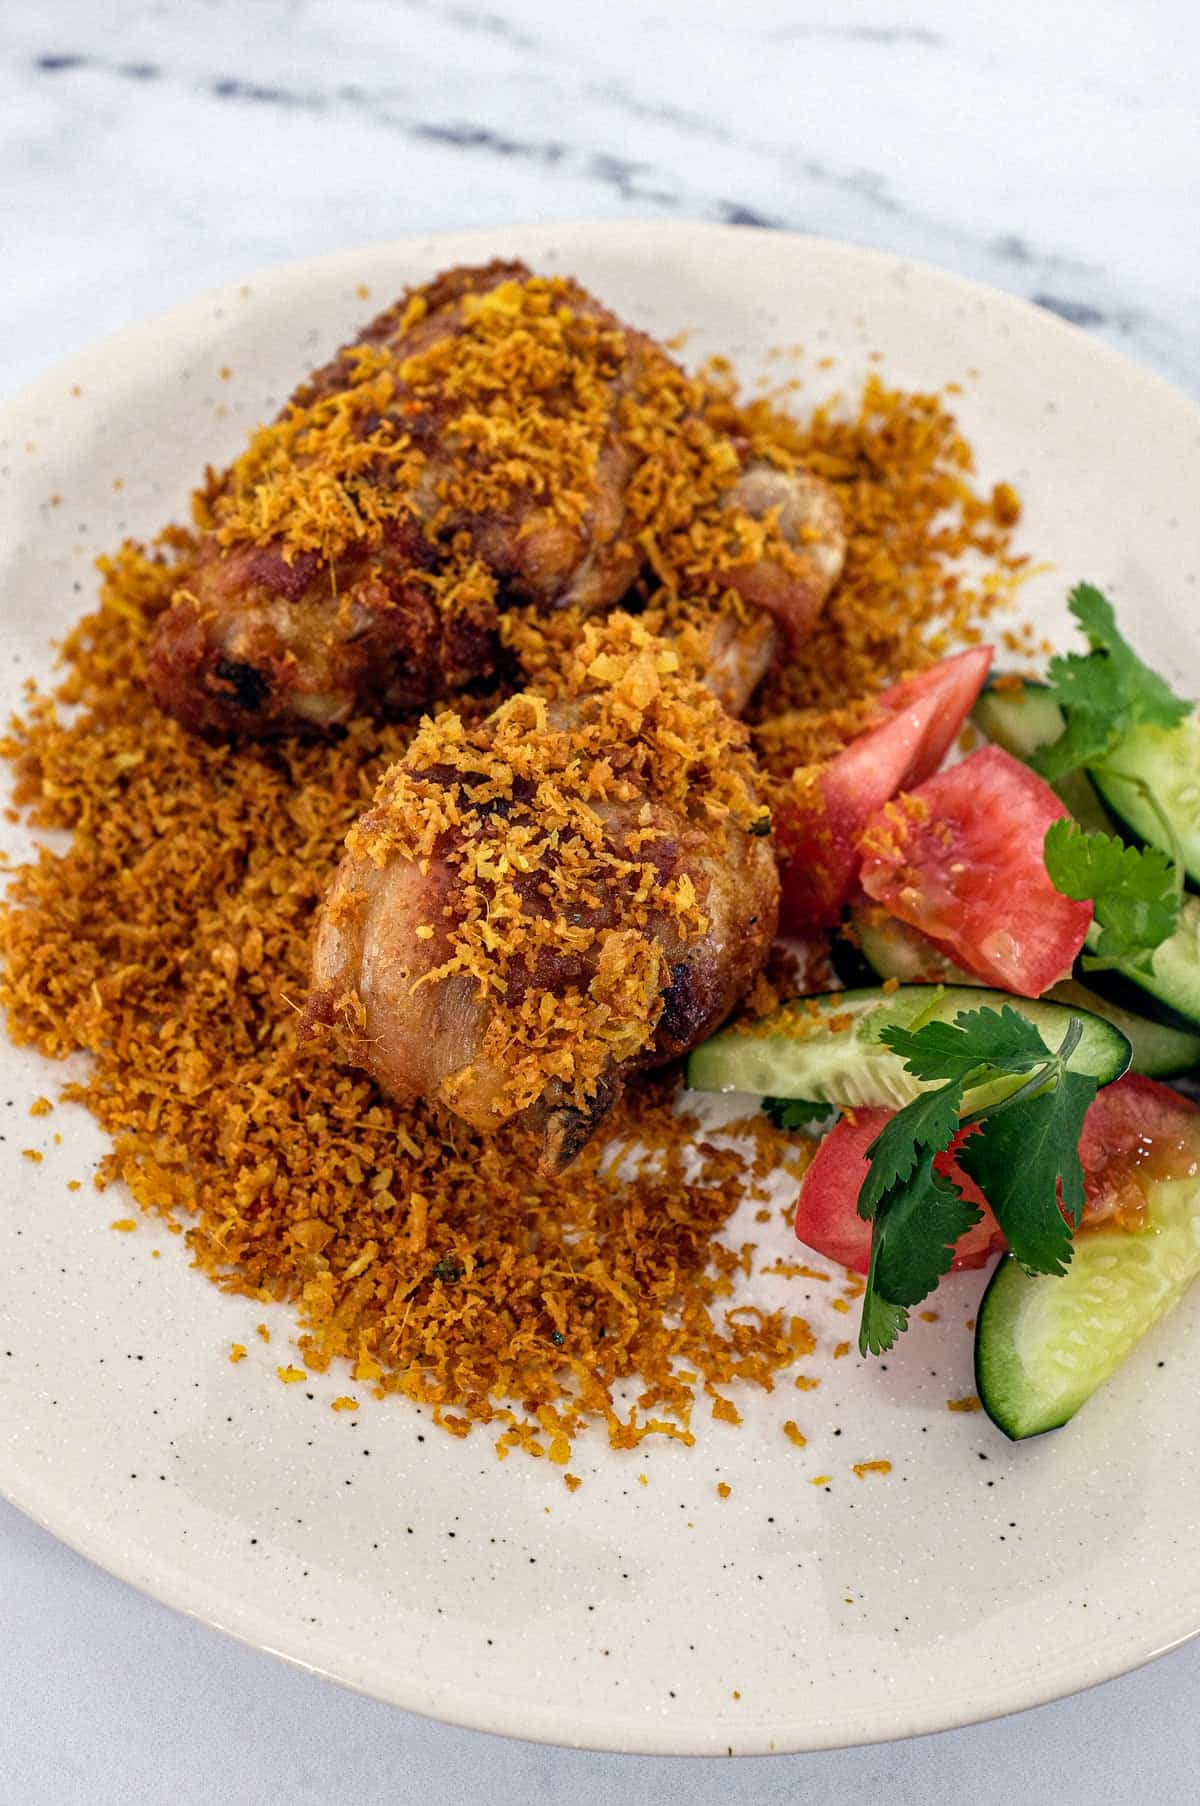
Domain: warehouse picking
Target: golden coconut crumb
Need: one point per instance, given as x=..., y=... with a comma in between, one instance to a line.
x=170, y=939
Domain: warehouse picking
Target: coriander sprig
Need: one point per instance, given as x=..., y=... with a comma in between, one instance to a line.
x=1022, y=1150
x=1103, y=694
x=1135, y=892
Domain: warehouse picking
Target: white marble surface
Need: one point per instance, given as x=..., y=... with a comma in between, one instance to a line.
x=152, y=150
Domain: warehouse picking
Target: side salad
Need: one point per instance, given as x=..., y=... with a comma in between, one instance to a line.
x=1025, y=920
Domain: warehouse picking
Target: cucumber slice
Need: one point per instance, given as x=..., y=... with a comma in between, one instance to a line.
x=1156, y=1049
x=894, y=950
x=1167, y=760
x=827, y=1048
x=850, y=964
x=1170, y=991
x=1043, y=1345
x=1018, y=714
x=1021, y=716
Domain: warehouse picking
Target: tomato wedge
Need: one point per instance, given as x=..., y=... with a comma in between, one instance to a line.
x=960, y=858
x=827, y=1218
x=817, y=831
x=1135, y=1130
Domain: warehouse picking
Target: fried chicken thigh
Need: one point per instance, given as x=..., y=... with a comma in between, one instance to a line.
x=494, y=439
x=461, y=453
x=538, y=907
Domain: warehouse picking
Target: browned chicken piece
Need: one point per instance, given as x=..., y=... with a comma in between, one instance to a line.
x=761, y=601
x=462, y=453
x=260, y=645
x=494, y=438
x=730, y=648
x=790, y=583
x=537, y=907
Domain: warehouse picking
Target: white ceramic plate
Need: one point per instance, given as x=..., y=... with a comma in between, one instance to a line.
x=974, y=1579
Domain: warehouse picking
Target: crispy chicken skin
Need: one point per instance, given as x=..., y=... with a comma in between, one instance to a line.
x=492, y=439
x=258, y=645
x=535, y=553
x=269, y=637
x=636, y=903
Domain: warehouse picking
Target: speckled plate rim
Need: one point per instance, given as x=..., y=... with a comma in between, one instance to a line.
x=169, y=1586
x=34, y=1489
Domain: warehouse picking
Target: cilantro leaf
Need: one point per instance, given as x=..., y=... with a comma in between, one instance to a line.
x=1088, y=690
x=1023, y=1150
x=1083, y=865
x=928, y=1122
x=881, y=1323
x=917, y=1223
x=1085, y=683
x=795, y=1112
x=1003, y=1039
x=1135, y=890
x=1104, y=694
x=1150, y=697
x=916, y=1227
x=1024, y=1159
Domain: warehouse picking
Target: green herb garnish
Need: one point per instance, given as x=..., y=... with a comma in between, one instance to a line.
x=1103, y=694
x=1023, y=1152
x=1135, y=891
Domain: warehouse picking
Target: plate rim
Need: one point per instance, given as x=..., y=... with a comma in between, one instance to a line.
x=484, y=238
x=169, y=1583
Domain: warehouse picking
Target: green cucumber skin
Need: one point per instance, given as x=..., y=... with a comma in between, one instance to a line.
x=1158, y=1050
x=1128, y=993
x=1168, y=760
x=1019, y=720
x=1170, y=993
x=994, y=1394
x=1078, y=794
x=1026, y=1396
x=841, y=1068
x=890, y=949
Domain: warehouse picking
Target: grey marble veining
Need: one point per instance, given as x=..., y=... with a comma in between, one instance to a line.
x=1052, y=151
x=149, y=151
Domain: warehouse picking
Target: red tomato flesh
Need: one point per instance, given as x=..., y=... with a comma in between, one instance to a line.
x=817, y=832
x=960, y=858
x=827, y=1218
x=1135, y=1131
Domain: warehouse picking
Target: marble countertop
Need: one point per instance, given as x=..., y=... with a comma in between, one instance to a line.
x=153, y=150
